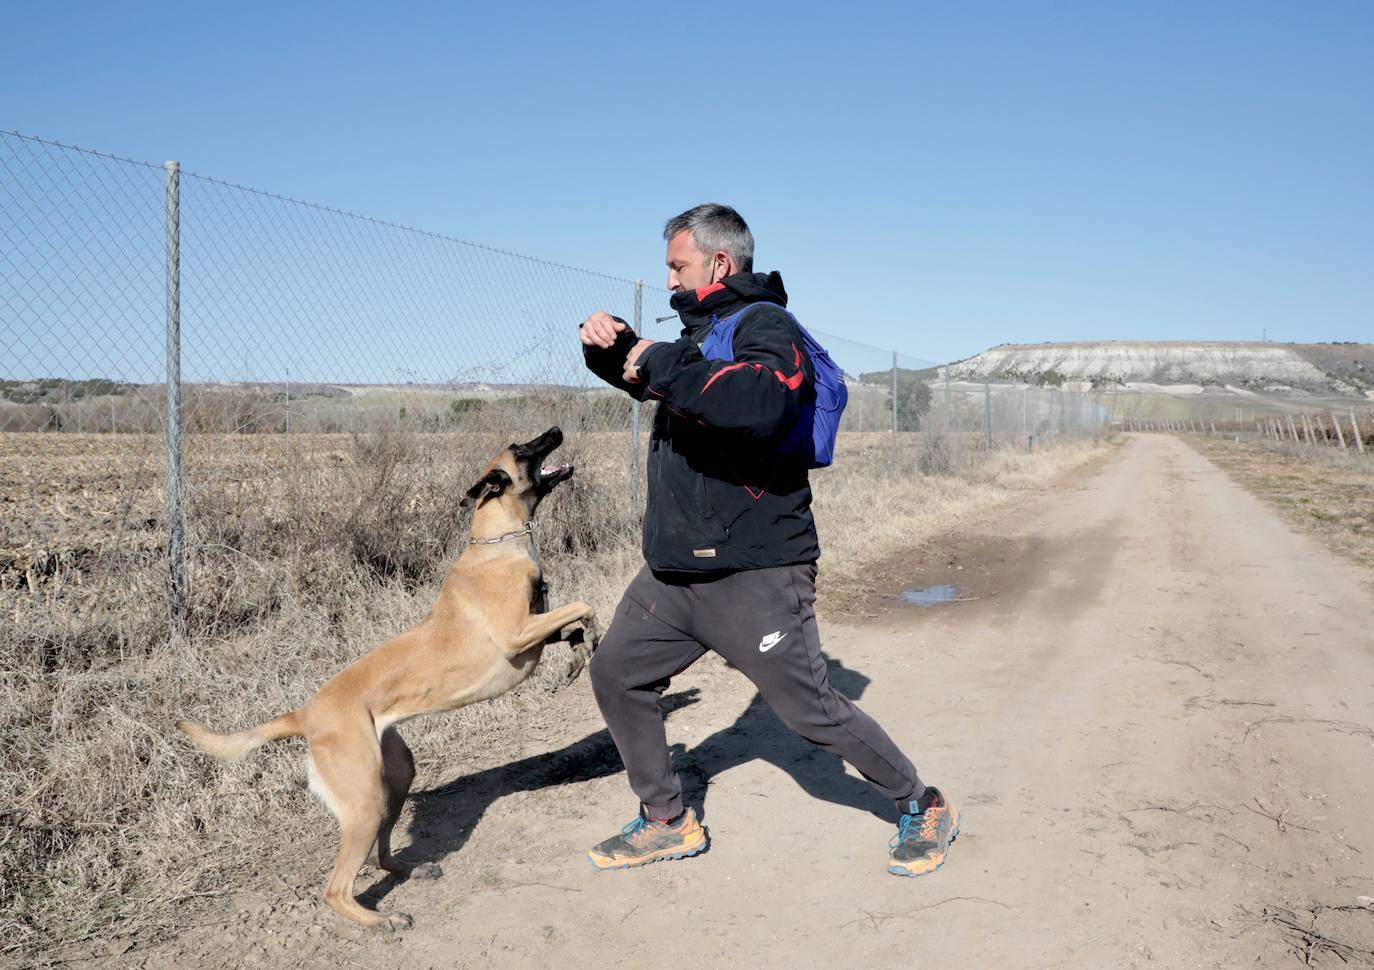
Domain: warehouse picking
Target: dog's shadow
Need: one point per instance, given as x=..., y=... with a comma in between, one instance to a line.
x=445, y=817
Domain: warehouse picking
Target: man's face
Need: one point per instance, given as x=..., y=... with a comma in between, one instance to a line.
x=688, y=267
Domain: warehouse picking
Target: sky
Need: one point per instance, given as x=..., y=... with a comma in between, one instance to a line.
x=936, y=178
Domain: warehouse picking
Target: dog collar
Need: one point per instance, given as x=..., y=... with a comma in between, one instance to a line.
x=527, y=530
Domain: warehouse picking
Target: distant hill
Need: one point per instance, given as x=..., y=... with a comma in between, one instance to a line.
x=1343, y=369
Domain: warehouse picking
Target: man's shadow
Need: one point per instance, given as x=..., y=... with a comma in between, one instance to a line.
x=758, y=733
x=445, y=817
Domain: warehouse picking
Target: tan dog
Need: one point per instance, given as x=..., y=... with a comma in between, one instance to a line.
x=485, y=634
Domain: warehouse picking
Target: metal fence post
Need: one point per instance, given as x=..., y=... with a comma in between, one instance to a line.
x=634, y=411
x=894, y=409
x=176, y=562
x=987, y=416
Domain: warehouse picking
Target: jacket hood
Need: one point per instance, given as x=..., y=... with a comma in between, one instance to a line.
x=753, y=287
x=696, y=307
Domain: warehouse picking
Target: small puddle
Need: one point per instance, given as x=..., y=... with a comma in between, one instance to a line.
x=932, y=595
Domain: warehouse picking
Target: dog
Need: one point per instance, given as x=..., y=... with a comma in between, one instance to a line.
x=484, y=635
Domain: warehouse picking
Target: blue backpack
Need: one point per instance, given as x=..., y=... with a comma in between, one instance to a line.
x=812, y=438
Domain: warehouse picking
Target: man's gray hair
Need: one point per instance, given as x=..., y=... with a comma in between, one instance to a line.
x=716, y=228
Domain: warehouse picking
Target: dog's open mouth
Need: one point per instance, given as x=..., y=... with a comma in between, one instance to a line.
x=550, y=475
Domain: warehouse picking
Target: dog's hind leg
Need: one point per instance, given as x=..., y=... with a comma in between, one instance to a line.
x=348, y=776
x=398, y=771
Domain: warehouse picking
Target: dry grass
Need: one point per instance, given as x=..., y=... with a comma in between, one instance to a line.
x=1324, y=491
x=305, y=553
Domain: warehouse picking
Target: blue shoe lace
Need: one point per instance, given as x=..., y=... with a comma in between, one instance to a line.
x=639, y=823
x=904, y=828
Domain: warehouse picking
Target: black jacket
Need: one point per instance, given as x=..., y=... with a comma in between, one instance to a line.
x=720, y=498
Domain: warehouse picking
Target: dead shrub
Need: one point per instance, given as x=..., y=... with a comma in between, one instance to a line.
x=406, y=516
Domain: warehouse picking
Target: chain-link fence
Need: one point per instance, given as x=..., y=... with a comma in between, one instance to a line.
x=1013, y=413
x=293, y=316
x=926, y=414
x=294, y=328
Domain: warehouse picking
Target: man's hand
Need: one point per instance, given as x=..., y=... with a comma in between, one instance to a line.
x=600, y=329
x=632, y=361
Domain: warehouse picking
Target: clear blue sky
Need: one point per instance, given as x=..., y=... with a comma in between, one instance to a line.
x=934, y=177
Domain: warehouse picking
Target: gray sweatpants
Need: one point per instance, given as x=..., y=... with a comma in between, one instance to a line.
x=763, y=622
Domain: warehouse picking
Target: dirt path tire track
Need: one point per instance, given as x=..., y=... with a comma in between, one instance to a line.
x=1153, y=664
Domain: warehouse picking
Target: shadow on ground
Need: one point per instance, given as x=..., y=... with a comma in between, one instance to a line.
x=445, y=817
x=758, y=733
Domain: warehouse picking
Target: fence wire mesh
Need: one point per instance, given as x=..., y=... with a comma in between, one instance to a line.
x=294, y=316
x=83, y=266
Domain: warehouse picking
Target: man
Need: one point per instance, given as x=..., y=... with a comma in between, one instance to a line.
x=730, y=547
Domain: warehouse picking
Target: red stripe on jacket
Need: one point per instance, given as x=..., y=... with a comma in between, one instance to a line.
x=791, y=383
x=727, y=369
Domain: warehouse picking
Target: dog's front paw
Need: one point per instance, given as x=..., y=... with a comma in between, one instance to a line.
x=426, y=870
x=396, y=923
x=575, y=665
x=569, y=675
x=585, y=631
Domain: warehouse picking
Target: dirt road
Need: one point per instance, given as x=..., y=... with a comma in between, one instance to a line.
x=1155, y=707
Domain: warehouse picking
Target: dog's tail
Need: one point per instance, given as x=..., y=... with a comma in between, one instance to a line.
x=236, y=747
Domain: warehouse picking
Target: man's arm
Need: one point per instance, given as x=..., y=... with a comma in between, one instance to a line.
x=606, y=342
x=759, y=393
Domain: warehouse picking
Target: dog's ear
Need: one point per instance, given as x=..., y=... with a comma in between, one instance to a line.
x=492, y=483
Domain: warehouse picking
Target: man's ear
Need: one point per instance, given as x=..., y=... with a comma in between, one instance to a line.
x=492, y=483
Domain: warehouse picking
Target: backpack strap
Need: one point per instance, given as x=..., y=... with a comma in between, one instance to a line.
x=719, y=343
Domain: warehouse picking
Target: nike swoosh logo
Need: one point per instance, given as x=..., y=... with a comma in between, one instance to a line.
x=771, y=641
